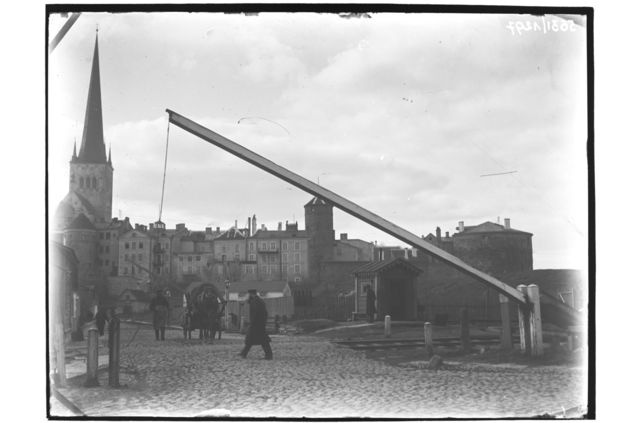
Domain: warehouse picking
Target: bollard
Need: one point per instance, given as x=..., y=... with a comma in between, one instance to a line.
x=465, y=342
x=505, y=340
x=535, y=320
x=428, y=339
x=387, y=326
x=114, y=352
x=92, y=358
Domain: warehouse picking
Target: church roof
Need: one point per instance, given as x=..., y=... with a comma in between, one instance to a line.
x=92, y=149
x=81, y=222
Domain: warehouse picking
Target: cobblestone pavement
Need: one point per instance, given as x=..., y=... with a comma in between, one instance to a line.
x=311, y=377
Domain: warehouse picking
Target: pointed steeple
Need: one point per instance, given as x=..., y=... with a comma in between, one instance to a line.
x=92, y=149
x=75, y=155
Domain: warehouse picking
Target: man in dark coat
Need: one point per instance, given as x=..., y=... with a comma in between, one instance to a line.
x=371, y=303
x=160, y=308
x=257, y=332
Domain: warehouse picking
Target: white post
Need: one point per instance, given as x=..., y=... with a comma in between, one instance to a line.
x=505, y=340
x=428, y=339
x=523, y=320
x=92, y=357
x=535, y=320
x=387, y=326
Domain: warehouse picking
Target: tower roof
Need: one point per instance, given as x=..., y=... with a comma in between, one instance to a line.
x=92, y=149
x=317, y=201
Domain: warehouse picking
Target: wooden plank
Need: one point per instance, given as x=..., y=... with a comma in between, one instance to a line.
x=342, y=203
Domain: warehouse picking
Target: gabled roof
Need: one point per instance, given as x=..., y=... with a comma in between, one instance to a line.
x=92, y=149
x=81, y=222
x=231, y=233
x=383, y=266
x=488, y=227
x=317, y=201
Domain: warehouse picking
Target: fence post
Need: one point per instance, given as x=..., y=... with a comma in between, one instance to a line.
x=114, y=352
x=506, y=342
x=464, y=330
x=387, y=326
x=92, y=357
x=535, y=320
x=58, y=341
x=523, y=321
x=428, y=339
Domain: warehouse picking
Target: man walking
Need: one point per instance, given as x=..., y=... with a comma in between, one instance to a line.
x=160, y=308
x=257, y=332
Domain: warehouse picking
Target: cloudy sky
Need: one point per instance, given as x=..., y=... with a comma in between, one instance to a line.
x=400, y=113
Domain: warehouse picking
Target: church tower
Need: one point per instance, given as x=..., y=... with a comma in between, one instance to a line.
x=91, y=172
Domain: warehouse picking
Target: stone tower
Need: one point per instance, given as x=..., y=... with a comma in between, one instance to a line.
x=318, y=220
x=91, y=171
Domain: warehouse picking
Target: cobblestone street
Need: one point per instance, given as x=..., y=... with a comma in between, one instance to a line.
x=311, y=377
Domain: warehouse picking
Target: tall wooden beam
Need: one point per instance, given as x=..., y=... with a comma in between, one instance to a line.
x=342, y=203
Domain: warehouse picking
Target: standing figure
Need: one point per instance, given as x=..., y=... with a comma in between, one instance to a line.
x=160, y=308
x=371, y=303
x=257, y=332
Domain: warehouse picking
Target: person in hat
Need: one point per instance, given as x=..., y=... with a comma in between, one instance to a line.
x=257, y=332
x=160, y=308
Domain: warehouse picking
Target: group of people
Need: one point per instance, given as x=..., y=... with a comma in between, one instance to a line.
x=205, y=314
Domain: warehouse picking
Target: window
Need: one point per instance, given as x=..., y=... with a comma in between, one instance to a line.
x=125, y=270
x=296, y=268
x=273, y=245
x=224, y=248
x=180, y=258
x=126, y=257
x=133, y=270
x=252, y=257
x=106, y=262
x=189, y=258
x=296, y=257
x=272, y=259
x=237, y=257
x=126, y=245
x=264, y=259
x=94, y=182
x=284, y=258
x=108, y=235
x=264, y=245
x=237, y=248
x=140, y=245
x=296, y=245
x=106, y=249
x=101, y=235
x=81, y=182
x=224, y=257
x=197, y=258
x=285, y=245
x=101, y=249
x=133, y=245
x=252, y=246
x=263, y=269
x=139, y=257
x=297, y=279
x=190, y=269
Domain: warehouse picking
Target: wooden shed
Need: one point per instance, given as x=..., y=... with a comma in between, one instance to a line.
x=394, y=283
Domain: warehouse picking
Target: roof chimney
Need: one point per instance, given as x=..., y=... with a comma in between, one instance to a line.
x=249, y=226
x=343, y=237
x=460, y=226
x=446, y=234
x=279, y=226
x=507, y=223
x=218, y=229
x=438, y=233
x=235, y=225
x=207, y=230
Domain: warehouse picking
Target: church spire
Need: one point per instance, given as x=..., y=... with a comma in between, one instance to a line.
x=109, y=160
x=75, y=155
x=92, y=149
